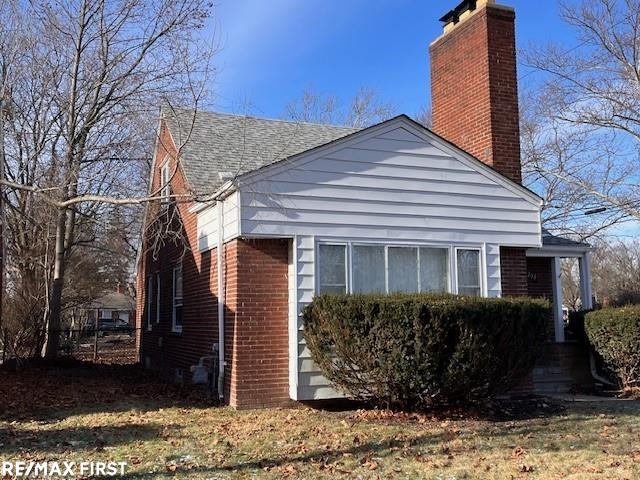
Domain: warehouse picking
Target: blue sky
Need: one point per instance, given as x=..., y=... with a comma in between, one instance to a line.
x=271, y=50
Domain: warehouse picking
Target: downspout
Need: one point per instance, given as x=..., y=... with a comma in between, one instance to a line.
x=594, y=371
x=221, y=300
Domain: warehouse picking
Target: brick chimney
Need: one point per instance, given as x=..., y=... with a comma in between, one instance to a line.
x=474, y=89
x=474, y=94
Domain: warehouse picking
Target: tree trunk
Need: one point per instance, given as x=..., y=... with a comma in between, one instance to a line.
x=52, y=340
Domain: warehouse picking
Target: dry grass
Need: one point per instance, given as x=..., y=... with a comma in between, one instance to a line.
x=122, y=415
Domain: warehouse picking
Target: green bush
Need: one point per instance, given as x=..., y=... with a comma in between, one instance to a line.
x=419, y=350
x=614, y=333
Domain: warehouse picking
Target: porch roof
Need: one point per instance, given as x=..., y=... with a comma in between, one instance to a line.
x=555, y=246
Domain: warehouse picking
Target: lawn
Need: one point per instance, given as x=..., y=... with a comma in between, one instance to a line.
x=120, y=414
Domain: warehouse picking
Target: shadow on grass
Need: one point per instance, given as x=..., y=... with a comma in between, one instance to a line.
x=368, y=449
x=61, y=440
x=49, y=392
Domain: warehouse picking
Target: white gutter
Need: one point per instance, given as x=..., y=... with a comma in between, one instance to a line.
x=221, y=301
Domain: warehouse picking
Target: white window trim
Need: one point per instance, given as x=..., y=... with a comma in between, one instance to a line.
x=176, y=328
x=149, y=301
x=481, y=267
x=158, y=298
x=165, y=188
x=452, y=280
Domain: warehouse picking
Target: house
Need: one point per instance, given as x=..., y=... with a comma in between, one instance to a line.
x=286, y=210
x=112, y=310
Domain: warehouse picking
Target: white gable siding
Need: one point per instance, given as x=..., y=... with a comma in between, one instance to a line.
x=388, y=186
x=394, y=185
x=208, y=223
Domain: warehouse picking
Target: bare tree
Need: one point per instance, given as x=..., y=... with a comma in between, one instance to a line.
x=83, y=100
x=569, y=166
x=583, y=135
x=616, y=272
x=364, y=109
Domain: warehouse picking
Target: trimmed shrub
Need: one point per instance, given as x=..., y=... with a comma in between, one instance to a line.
x=419, y=350
x=614, y=333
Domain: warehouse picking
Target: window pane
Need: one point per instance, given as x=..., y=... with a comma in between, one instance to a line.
x=178, y=316
x=434, y=270
x=403, y=269
x=177, y=283
x=333, y=277
x=468, y=272
x=368, y=269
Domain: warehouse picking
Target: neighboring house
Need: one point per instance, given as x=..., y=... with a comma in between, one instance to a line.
x=288, y=210
x=112, y=310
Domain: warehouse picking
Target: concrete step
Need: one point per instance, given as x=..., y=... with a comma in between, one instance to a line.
x=562, y=368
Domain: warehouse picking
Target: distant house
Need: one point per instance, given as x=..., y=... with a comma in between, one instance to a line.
x=288, y=210
x=112, y=310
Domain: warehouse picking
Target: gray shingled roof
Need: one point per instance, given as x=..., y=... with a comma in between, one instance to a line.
x=222, y=146
x=114, y=301
x=548, y=239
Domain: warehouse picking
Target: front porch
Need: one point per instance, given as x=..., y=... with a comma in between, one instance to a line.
x=565, y=364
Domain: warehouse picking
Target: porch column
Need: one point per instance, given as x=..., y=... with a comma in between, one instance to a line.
x=585, y=281
x=557, y=300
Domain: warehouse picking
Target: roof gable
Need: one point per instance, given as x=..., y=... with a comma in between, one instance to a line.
x=403, y=128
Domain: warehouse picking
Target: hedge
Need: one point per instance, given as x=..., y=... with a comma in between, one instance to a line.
x=614, y=333
x=420, y=350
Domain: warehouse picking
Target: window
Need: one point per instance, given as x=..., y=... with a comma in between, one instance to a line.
x=368, y=269
x=434, y=270
x=165, y=187
x=149, y=290
x=332, y=268
x=468, y=270
x=157, y=298
x=177, y=299
x=384, y=269
x=403, y=269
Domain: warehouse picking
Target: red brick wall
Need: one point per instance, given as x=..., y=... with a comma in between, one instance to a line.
x=257, y=323
x=256, y=308
x=513, y=271
x=540, y=284
x=540, y=277
x=474, y=88
x=166, y=350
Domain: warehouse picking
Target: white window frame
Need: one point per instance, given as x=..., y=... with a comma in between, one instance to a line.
x=452, y=280
x=165, y=183
x=347, y=263
x=149, y=301
x=176, y=302
x=482, y=272
x=158, y=298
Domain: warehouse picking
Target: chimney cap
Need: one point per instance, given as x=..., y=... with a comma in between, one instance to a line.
x=453, y=16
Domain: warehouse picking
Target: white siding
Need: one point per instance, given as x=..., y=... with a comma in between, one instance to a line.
x=207, y=229
x=492, y=257
x=309, y=382
x=392, y=184
x=208, y=223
